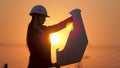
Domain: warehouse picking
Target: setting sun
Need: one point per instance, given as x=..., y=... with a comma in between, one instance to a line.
x=54, y=38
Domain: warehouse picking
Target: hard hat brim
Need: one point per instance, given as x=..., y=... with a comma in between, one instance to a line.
x=38, y=14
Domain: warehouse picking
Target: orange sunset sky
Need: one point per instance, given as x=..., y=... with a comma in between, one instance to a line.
x=100, y=17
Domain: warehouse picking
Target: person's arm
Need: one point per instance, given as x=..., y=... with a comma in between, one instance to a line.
x=59, y=26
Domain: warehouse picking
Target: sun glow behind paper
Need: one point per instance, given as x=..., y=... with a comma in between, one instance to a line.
x=58, y=39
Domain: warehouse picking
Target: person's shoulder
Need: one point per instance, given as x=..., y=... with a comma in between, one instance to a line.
x=30, y=27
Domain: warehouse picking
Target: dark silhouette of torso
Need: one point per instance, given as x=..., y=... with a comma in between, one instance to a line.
x=39, y=46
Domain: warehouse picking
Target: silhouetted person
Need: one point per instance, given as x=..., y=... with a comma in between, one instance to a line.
x=38, y=40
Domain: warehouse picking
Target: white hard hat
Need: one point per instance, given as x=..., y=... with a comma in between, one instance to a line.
x=39, y=9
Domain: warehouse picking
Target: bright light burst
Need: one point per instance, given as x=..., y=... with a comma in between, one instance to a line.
x=54, y=38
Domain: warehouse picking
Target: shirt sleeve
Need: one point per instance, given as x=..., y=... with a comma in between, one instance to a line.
x=58, y=26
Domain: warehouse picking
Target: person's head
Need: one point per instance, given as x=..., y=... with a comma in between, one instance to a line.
x=39, y=13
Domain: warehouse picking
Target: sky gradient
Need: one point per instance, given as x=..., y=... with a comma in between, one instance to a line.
x=101, y=18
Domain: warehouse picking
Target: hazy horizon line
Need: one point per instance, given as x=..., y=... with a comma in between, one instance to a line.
x=25, y=44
